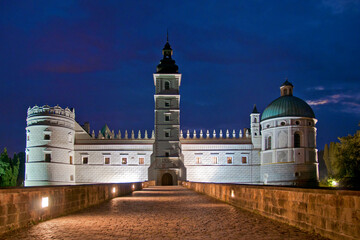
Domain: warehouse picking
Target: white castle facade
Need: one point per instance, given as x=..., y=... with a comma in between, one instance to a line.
x=278, y=148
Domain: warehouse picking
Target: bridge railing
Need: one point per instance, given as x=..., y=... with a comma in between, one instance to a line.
x=331, y=213
x=21, y=207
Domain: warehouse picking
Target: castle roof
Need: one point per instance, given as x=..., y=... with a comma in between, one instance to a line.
x=287, y=106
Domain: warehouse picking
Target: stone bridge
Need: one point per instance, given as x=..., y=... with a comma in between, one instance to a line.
x=154, y=212
x=170, y=212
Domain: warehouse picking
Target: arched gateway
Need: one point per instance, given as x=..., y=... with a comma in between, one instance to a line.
x=167, y=179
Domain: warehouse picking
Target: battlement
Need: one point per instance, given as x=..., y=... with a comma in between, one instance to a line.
x=107, y=134
x=47, y=110
x=221, y=135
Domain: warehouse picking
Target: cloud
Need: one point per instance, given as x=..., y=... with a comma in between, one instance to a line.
x=339, y=102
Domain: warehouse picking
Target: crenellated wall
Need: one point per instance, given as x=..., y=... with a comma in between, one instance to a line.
x=21, y=207
x=331, y=213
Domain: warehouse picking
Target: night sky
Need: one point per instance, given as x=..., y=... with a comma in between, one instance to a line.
x=99, y=56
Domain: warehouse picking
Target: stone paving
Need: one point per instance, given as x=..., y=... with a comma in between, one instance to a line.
x=171, y=212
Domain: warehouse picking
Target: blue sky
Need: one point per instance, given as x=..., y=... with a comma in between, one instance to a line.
x=99, y=57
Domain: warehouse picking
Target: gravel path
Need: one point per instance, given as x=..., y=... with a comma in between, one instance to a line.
x=162, y=213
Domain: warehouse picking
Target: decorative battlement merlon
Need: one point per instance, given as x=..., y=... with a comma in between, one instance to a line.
x=47, y=110
x=208, y=135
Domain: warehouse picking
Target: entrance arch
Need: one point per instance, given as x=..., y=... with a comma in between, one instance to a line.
x=166, y=179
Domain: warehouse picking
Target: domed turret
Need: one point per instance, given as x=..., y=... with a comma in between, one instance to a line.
x=167, y=64
x=287, y=105
x=289, y=154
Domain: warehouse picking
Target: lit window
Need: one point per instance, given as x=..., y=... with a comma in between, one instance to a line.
x=229, y=160
x=215, y=160
x=107, y=160
x=85, y=160
x=47, y=137
x=71, y=159
x=244, y=160
x=141, y=161
x=198, y=160
x=47, y=157
x=124, y=160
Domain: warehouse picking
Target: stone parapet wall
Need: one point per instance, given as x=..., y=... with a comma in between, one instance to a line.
x=21, y=207
x=331, y=213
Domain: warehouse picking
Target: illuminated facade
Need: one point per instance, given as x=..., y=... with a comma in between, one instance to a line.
x=279, y=147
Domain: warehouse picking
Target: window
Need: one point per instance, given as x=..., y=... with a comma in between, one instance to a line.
x=296, y=140
x=282, y=123
x=47, y=157
x=124, y=160
x=197, y=159
x=167, y=133
x=255, y=120
x=167, y=103
x=141, y=160
x=107, y=160
x=85, y=160
x=70, y=138
x=47, y=137
x=167, y=85
x=28, y=138
x=71, y=177
x=71, y=159
x=285, y=92
x=297, y=122
x=167, y=154
x=229, y=159
x=167, y=118
x=268, y=143
x=214, y=159
x=27, y=157
x=244, y=160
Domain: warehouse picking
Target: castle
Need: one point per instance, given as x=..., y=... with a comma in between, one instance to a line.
x=278, y=148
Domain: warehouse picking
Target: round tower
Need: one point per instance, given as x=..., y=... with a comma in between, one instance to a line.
x=288, y=153
x=49, y=149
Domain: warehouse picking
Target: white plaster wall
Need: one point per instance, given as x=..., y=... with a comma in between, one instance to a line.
x=54, y=173
x=111, y=173
x=223, y=174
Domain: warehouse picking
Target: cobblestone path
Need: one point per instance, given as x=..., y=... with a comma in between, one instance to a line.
x=162, y=213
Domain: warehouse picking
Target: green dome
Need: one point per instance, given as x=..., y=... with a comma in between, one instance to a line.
x=287, y=106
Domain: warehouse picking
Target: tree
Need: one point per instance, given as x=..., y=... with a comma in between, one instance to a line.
x=9, y=169
x=348, y=160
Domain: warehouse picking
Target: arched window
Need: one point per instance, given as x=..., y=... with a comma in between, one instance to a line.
x=255, y=120
x=296, y=140
x=268, y=143
x=285, y=91
x=167, y=85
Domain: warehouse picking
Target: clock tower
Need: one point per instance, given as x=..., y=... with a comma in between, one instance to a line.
x=167, y=165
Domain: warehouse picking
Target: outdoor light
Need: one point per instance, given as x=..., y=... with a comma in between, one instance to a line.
x=232, y=193
x=133, y=186
x=114, y=190
x=334, y=183
x=45, y=202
